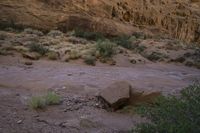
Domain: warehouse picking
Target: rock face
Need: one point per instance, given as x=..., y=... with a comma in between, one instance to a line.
x=117, y=94
x=177, y=18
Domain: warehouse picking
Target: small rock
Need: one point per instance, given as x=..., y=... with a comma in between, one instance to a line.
x=117, y=94
x=65, y=110
x=17, y=94
x=19, y=121
x=36, y=115
x=28, y=63
x=132, y=60
x=26, y=108
x=32, y=56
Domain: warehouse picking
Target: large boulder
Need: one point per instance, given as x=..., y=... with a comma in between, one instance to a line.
x=117, y=94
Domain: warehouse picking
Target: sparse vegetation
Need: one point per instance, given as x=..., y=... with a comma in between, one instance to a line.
x=39, y=102
x=33, y=31
x=139, y=48
x=173, y=114
x=52, y=56
x=11, y=24
x=38, y=48
x=156, y=56
x=106, y=48
x=52, y=98
x=123, y=41
x=55, y=33
x=88, y=35
x=139, y=35
x=74, y=55
x=90, y=60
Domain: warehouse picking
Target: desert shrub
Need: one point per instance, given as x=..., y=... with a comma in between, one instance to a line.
x=11, y=24
x=52, y=55
x=88, y=35
x=55, y=33
x=90, y=60
x=52, y=98
x=32, y=31
x=141, y=48
x=74, y=55
x=106, y=48
x=37, y=102
x=156, y=56
x=139, y=35
x=38, y=48
x=123, y=41
x=173, y=114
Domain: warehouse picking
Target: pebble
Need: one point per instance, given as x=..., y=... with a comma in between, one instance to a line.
x=19, y=121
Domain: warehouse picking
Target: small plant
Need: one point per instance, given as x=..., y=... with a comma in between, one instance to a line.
x=38, y=48
x=55, y=33
x=52, y=98
x=123, y=41
x=37, y=102
x=139, y=35
x=139, y=48
x=156, y=56
x=90, y=60
x=106, y=48
x=33, y=31
x=88, y=35
x=40, y=102
x=52, y=55
x=74, y=55
x=173, y=114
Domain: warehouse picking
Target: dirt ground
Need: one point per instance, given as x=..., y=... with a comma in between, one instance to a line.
x=79, y=111
x=153, y=66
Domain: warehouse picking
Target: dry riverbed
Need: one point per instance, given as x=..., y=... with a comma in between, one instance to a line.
x=79, y=111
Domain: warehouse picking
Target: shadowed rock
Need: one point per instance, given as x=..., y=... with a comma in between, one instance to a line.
x=117, y=94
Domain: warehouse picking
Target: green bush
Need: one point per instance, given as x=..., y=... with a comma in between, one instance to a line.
x=173, y=114
x=106, y=48
x=52, y=98
x=123, y=41
x=38, y=48
x=37, y=102
x=88, y=35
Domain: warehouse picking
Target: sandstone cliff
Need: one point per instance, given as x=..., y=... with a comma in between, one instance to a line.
x=178, y=18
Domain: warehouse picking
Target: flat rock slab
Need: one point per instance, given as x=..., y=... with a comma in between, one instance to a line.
x=117, y=94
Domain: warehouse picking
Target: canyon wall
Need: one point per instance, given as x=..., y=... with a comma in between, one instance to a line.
x=178, y=18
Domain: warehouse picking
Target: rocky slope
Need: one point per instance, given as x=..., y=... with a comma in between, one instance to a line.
x=178, y=18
